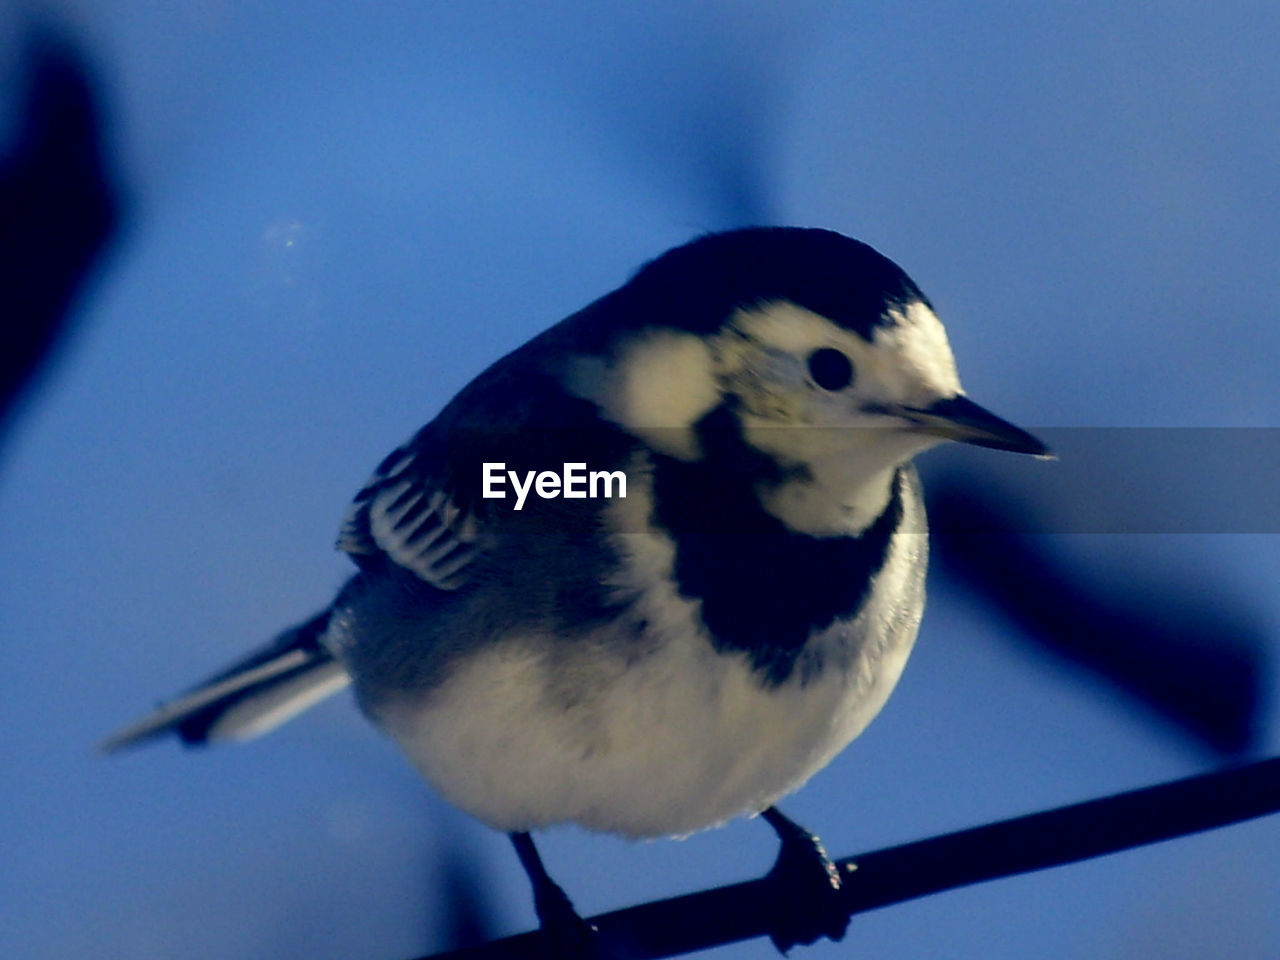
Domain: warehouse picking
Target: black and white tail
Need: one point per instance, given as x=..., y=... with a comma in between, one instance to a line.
x=254, y=695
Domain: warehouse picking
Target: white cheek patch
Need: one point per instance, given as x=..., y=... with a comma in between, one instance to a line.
x=761, y=354
x=922, y=367
x=659, y=386
x=908, y=360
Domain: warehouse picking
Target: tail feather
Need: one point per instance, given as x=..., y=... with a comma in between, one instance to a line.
x=252, y=696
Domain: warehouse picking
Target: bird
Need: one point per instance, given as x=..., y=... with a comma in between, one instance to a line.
x=651, y=570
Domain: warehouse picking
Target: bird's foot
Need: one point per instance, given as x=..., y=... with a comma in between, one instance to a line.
x=809, y=889
x=567, y=935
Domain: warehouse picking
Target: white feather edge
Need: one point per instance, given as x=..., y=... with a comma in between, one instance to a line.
x=279, y=703
x=160, y=719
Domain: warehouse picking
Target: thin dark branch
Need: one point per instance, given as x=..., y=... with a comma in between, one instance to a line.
x=741, y=911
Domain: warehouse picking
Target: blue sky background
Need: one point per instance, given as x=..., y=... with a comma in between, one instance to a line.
x=339, y=213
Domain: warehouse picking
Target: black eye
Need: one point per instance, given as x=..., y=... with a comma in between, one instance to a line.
x=830, y=369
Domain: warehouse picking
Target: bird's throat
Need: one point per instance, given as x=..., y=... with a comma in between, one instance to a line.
x=830, y=503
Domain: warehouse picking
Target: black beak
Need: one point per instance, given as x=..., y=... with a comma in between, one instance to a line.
x=960, y=419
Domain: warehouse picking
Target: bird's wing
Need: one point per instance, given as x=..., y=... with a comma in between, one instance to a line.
x=425, y=508
x=406, y=514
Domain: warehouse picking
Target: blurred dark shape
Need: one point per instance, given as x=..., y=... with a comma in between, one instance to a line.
x=703, y=140
x=58, y=208
x=465, y=918
x=701, y=112
x=1196, y=663
x=718, y=148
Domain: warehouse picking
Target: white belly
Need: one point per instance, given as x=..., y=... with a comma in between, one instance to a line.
x=529, y=733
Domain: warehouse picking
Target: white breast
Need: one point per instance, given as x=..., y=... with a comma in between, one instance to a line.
x=648, y=731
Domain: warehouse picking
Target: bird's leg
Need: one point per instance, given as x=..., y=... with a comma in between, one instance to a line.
x=808, y=887
x=568, y=935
